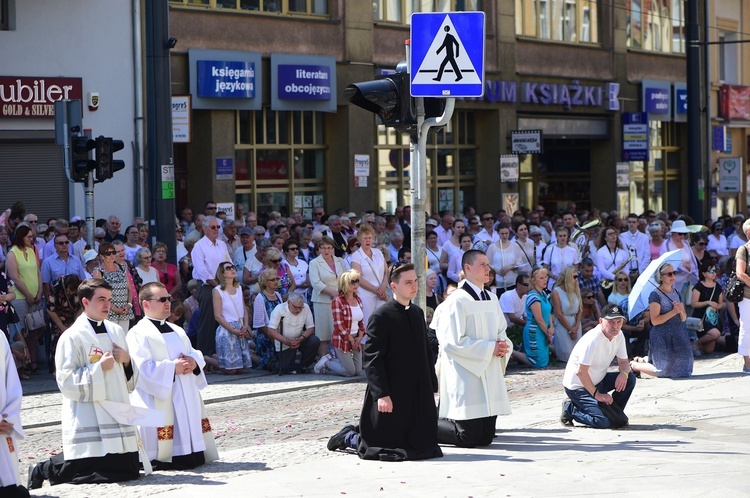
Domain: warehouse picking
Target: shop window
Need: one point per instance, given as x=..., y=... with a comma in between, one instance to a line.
x=728, y=58
x=450, y=163
x=655, y=25
x=294, y=7
x=656, y=184
x=280, y=160
x=400, y=11
x=574, y=21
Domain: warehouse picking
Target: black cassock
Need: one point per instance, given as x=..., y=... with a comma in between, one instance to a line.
x=398, y=364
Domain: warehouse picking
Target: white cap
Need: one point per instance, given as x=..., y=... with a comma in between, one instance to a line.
x=89, y=255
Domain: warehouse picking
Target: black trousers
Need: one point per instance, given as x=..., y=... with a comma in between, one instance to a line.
x=207, y=323
x=467, y=433
x=96, y=470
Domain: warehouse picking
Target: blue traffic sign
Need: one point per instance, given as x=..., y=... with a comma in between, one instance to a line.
x=447, y=54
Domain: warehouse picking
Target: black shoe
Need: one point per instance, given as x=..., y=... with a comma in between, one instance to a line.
x=564, y=418
x=337, y=440
x=35, y=479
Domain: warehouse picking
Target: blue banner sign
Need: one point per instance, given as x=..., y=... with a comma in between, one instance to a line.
x=657, y=101
x=681, y=101
x=635, y=136
x=297, y=82
x=226, y=79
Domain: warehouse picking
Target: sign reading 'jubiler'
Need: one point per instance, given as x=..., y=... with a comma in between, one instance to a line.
x=226, y=79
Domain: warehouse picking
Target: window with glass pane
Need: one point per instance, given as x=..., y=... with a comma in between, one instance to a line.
x=294, y=7
x=575, y=21
x=400, y=11
x=242, y=163
x=655, y=25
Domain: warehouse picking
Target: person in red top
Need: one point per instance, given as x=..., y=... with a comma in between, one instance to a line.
x=348, y=330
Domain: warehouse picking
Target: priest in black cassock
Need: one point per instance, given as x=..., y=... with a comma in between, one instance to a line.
x=399, y=417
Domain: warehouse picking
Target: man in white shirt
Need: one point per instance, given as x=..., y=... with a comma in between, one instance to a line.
x=486, y=234
x=586, y=380
x=208, y=253
x=297, y=333
x=637, y=243
x=445, y=230
x=513, y=304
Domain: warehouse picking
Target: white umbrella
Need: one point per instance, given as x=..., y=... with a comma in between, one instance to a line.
x=646, y=283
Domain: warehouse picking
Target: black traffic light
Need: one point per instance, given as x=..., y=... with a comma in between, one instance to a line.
x=106, y=165
x=389, y=98
x=80, y=164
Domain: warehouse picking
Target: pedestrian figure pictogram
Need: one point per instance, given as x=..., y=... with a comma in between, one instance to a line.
x=447, y=54
x=448, y=43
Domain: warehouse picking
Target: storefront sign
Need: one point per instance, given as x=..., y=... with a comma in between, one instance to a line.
x=635, y=136
x=508, y=168
x=679, y=102
x=656, y=99
x=361, y=165
x=734, y=102
x=568, y=95
x=226, y=207
x=730, y=175
x=526, y=141
x=181, y=119
x=304, y=82
x=681, y=106
x=34, y=97
x=224, y=168
x=226, y=79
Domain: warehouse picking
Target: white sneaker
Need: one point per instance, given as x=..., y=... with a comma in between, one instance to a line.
x=320, y=366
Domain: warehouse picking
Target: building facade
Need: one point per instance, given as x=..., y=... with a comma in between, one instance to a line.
x=53, y=50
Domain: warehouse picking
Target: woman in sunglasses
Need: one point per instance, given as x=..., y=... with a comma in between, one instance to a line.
x=348, y=330
x=670, y=353
x=620, y=289
x=590, y=313
x=274, y=262
x=116, y=274
x=717, y=241
x=707, y=301
x=233, y=333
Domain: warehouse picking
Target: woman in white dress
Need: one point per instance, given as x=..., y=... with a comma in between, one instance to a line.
x=526, y=246
x=370, y=264
x=610, y=254
x=434, y=252
x=505, y=258
x=232, y=349
x=452, y=245
x=559, y=256
x=717, y=241
x=566, y=305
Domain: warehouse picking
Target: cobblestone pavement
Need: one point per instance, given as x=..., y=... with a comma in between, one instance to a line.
x=260, y=422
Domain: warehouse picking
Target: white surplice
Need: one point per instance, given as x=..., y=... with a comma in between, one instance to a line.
x=95, y=402
x=187, y=429
x=471, y=378
x=10, y=402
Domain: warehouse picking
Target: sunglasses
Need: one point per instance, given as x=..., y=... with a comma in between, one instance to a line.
x=110, y=253
x=668, y=274
x=294, y=248
x=575, y=277
x=524, y=284
x=355, y=281
x=276, y=261
x=230, y=267
x=711, y=271
x=63, y=243
x=211, y=208
x=625, y=279
x=213, y=227
x=488, y=219
x=162, y=300
x=588, y=297
x=700, y=244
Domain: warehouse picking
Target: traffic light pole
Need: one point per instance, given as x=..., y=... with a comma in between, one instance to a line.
x=418, y=191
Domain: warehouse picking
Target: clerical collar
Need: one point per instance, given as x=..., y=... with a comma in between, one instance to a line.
x=98, y=326
x=476, y=289
x=162, y=325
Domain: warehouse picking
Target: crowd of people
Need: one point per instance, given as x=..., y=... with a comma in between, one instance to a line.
x=290, y=295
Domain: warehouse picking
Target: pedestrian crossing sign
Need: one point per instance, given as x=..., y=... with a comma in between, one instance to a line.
x=447, y=54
